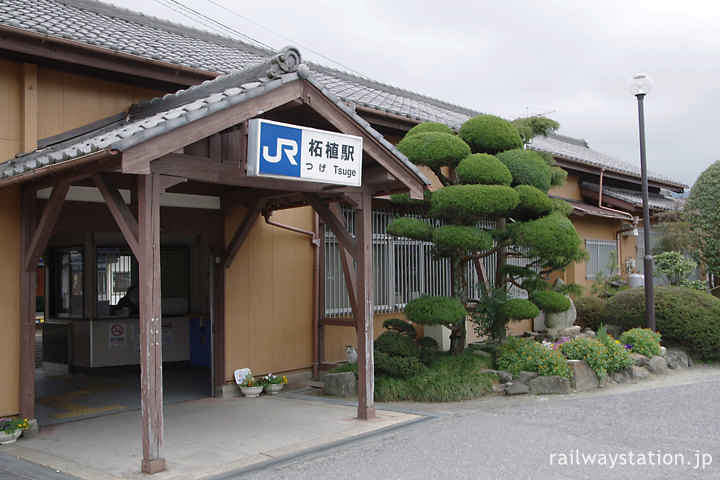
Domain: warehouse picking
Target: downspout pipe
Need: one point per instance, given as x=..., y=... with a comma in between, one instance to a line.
x=316, y=278
x=617, y=239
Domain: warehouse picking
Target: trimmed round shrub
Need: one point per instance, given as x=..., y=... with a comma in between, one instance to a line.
x=429, y=127
x=683, y=315
x=552, y=238
x=404, y=200
x=427, y=342
x=449, y=239
x=589, y=311
x=434, y=149
x=550, y=302
x=397, y=367
x=466, y=203
x=518, y=309
x=409, y=227
x=431, y=310
x=518, y=354
x=533, y=204
x=590, y=350
x=396, y=345
x=561, y=207
x=484, y=169
x=400, y=326
x=643, y=341
x=489, y=134
x=527, y=168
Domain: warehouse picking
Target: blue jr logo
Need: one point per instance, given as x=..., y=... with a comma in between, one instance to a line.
x=280, y=146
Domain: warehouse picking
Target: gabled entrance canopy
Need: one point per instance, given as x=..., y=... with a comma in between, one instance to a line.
x=195, y=142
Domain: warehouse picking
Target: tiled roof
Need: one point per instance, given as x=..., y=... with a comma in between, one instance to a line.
x=161, y=115
x=656, y=201
x=578, y=150
x=128, y=32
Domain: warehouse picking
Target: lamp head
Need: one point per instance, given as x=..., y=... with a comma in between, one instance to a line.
x=640, y=84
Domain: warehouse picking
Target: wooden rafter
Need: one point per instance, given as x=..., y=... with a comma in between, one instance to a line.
x=332, y=221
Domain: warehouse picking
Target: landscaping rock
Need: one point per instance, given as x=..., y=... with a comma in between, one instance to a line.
x=562, y=319
x=525, y=377
x=604, y=381
x=640, y=360
x=505, y=376
x=657, y=365
x=556, y=333
x=584, y=378
x=340, y=384
x=621, y=377
x=677, y=359
x=639, y=373
x=550, y=384
x=499, y=389
x=516, y=388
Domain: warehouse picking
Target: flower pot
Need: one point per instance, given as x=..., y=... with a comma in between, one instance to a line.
x=273, y=388
x=10, y=437
x=251, y=391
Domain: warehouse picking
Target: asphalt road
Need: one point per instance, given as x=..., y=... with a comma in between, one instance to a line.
x=663, y=429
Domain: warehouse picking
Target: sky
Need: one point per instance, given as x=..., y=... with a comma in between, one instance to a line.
x=571, y=60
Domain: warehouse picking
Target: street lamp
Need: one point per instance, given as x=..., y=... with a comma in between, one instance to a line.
x=640, y=85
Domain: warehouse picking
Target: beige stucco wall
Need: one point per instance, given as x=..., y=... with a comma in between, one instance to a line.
x=10, y=300
x=571, y=189
x=10, y=101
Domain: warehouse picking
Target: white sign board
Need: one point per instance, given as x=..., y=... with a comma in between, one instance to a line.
x=280, y=150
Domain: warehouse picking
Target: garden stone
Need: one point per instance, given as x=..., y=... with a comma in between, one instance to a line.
x=584, y=378
x=525, y=377
x=604, y=381
x=640, y=360
x=340, y=384
x=677, y=359
x=562, y=319
x=639, y=373
x=621, y=377
x=505, y=376
x=657, y=365
x=516, y=388
x=550, y=384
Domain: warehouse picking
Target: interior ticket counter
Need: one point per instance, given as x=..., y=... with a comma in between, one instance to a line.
x=93, y=304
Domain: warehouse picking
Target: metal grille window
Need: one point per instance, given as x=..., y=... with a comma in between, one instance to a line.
x=600, y=257
x=403, y=269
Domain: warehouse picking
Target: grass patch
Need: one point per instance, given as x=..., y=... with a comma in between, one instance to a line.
x=447, y=379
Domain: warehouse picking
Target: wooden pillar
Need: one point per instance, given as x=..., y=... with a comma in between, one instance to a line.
x=150, y=323
x=364, y=313
x=218, y=326
x=28, y=279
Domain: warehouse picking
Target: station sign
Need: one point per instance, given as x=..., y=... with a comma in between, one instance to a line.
x=291, y=152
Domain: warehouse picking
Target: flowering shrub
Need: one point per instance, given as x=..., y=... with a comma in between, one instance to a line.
x=590, y=350
x=518, y=354
x=643, y=341
x=9, y=425
x=250, y=381
x=271, y=379
x=618, y=357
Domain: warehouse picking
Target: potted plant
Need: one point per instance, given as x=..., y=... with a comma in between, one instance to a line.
x=11, y=429
x=273, y=383
x=251, y=387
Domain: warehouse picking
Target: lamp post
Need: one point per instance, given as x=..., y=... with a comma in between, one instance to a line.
x=640, y=85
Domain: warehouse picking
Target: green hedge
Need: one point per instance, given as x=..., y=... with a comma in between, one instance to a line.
x=409, y=227
x=481, y=168
x=434, y=149
x=589, y=311
x=434, y=310
x=684, y=316
x=449, y=239
x=527, y=168
x=550, y=302
x=465, y=203
x=429, y=127
x=534, y=203
x=490, y=134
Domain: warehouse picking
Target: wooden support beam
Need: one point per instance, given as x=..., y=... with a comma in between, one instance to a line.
x=337, y=226
x=346, y=260
x=151, y=383
x=364, y=315
x=338, y=322
x=28, y=279
x=119, y=210
x=46, y=225
x=242, y=231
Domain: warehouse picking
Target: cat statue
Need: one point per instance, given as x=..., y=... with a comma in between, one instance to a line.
x=351, y=352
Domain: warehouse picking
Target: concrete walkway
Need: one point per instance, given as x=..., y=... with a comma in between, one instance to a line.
x=203, y=438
